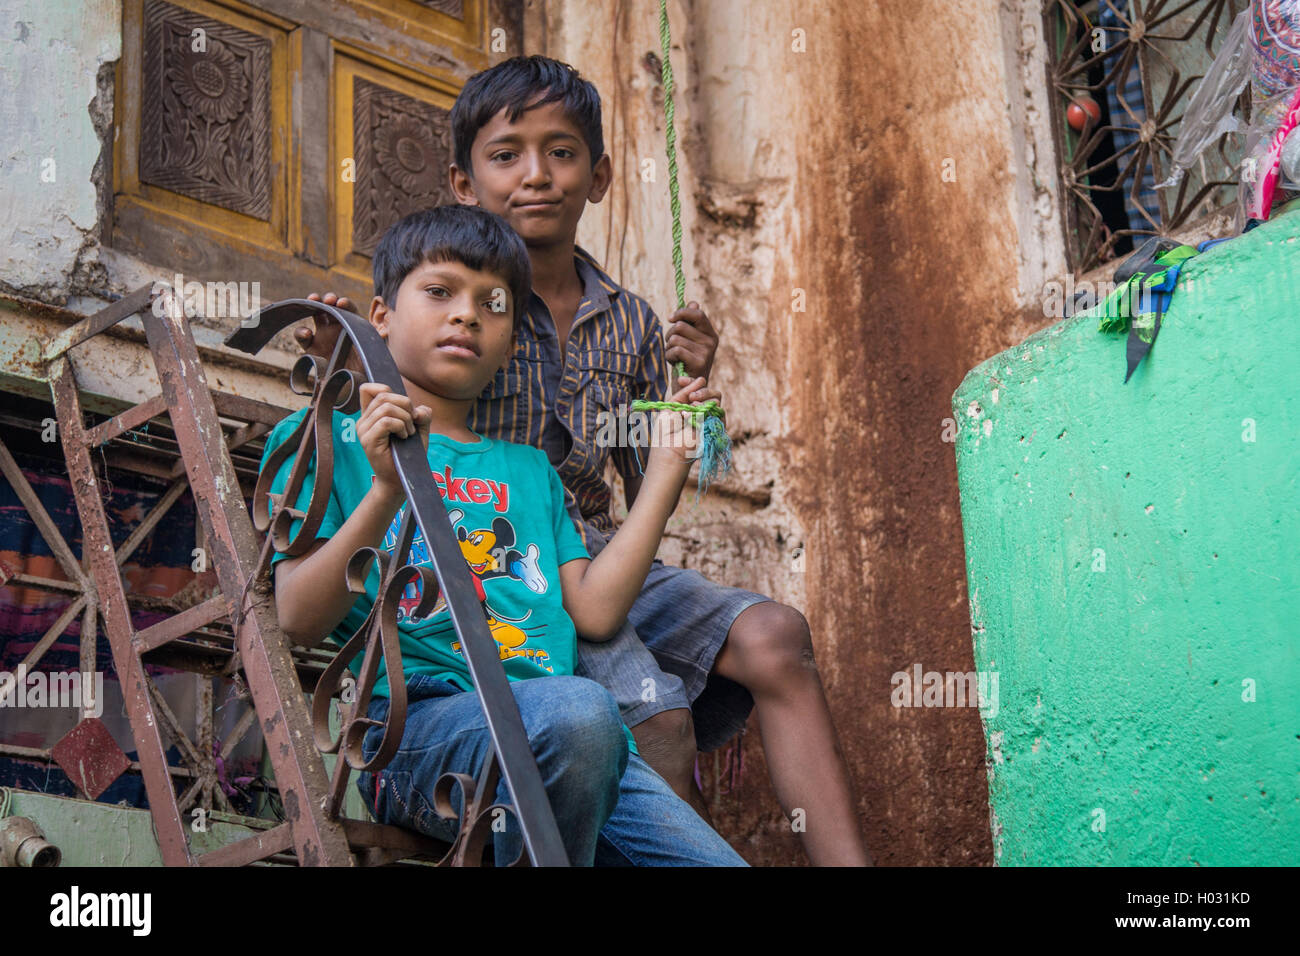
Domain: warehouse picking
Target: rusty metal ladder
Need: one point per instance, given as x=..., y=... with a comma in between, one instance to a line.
x=313, y=831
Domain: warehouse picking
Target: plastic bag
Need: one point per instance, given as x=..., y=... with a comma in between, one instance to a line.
x=1209, y=113
x=1291, y=162
x=1271, y=131
x=1270, y=162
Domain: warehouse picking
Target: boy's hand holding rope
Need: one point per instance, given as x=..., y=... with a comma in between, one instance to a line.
x=677, y=425
x=691, y=341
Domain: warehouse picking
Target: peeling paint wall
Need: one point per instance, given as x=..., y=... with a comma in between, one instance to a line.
x=61, y=56
x=1035, y=198
x=823, y=171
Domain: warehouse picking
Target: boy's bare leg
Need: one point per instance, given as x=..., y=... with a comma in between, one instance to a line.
x=666, y=742
x=769, y=652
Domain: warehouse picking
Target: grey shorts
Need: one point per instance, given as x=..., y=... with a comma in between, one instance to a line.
x=662, y=657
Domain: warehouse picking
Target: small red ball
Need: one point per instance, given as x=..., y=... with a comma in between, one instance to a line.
x=1082, y=112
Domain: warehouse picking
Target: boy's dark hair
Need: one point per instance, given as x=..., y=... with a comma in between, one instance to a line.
x=469, y=235
x=512, y=85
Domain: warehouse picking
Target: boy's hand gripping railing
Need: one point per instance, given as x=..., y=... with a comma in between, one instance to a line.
x=333, y=386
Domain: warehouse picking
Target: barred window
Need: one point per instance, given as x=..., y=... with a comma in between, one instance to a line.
x=1122, y=72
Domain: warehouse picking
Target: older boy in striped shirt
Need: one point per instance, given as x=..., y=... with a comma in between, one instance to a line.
x=695, y=657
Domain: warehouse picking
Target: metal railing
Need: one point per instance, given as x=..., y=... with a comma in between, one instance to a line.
x=186, y=435
x=332, y=386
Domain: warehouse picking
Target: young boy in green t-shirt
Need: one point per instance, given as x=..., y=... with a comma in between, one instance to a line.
x=439, y=275
x=695, y=656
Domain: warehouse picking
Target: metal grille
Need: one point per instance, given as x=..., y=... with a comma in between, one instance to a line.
x=1129, y=67
x=201, y=440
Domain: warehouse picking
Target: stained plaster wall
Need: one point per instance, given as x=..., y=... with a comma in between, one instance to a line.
x=822, y=171
x=55, y=55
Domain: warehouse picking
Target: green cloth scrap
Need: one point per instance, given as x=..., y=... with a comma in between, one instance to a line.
x=1138, y=298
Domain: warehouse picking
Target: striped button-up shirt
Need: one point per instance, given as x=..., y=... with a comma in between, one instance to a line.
x=561, y=402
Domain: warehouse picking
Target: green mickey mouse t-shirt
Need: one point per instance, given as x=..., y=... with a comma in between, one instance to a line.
x=506, y=504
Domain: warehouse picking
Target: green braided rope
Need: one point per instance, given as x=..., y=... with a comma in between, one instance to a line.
x=675, y=207
x=670, y=117
x=715, y=446
x=697, y=411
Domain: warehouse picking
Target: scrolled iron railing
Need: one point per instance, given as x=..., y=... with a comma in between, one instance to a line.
x=333, y=385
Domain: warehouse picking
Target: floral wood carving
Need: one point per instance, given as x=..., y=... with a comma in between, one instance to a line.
x=206, y=110
x=403, y=149
x=453, y=8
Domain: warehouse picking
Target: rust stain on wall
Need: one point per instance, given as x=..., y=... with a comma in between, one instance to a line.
x=909, y=279
x=824, y=171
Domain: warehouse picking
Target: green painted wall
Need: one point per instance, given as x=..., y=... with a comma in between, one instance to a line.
x=1133, y=562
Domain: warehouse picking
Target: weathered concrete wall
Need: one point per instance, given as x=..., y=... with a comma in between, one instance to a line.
x=824, y=171
x=1134, y=578
x=49, y=220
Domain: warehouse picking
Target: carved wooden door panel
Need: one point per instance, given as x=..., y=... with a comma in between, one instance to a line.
x=273, y=142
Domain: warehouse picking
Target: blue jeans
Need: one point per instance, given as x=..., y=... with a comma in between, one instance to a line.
x=611, y=808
